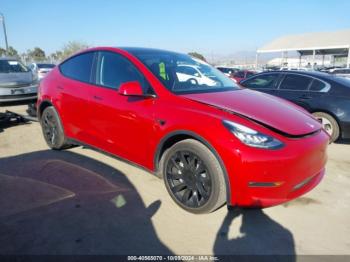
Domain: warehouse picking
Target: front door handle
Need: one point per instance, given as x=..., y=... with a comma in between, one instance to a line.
x=97, y=97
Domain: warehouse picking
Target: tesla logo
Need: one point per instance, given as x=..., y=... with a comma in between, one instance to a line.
x=14, y=91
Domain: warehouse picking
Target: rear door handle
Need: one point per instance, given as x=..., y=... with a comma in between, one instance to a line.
x=304, y=97
x=59, y=87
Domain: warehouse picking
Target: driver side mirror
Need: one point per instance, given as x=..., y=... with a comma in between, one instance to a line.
x=132, y=88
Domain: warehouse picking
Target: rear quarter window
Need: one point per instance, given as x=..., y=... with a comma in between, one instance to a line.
x=78, y=67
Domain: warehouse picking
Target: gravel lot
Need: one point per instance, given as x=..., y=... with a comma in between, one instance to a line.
x=82, y=202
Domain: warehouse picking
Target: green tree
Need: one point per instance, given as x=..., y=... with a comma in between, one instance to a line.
x=37, y=54
x=71, y=48
x=12, y=52
x=197, y=55
x=2, y=52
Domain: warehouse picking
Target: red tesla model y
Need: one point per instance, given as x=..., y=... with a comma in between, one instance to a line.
x=211, y=141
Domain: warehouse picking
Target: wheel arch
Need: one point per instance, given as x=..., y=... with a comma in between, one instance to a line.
x=179, y=135
x=44, y=104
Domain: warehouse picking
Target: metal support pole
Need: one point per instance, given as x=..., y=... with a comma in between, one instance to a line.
x=348, y=63
x=4, y=28
x=313, y=58
x=256, y=60
x=299, y=60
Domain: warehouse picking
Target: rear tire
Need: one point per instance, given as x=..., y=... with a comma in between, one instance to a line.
x=52, y=129
x=193, y=177
x=329, y=124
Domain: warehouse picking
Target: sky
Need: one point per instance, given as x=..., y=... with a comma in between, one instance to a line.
x=208, y=27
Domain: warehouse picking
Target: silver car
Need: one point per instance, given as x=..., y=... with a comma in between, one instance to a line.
x=17, y=82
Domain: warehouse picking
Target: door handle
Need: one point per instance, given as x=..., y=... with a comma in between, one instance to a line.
x=59, y=87
x=97, y=97
x=305, y=97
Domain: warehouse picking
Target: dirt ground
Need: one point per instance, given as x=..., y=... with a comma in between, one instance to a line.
x=82, y=202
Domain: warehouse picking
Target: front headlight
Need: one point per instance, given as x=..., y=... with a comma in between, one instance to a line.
x=252, y=137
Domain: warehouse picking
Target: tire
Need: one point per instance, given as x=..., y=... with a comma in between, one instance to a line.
x=329, y=124
x=196, y=182
x=31, y=110
x=52, y=129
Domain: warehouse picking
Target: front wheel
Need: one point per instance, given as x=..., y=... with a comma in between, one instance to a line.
x=193, y=177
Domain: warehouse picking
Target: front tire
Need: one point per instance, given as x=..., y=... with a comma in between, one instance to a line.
x=329, y=124
x=52, y=129
x=193, y=177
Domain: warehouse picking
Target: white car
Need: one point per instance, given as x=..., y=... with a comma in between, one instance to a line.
x=41, y=69
x=193, y=74
x=344, y=72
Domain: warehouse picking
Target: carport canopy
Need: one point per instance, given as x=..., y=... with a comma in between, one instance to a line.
x=320, y=43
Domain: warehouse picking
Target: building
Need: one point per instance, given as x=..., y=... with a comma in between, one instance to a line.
x=322, y=44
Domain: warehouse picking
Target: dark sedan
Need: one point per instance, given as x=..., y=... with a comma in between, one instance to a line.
x=326, y=96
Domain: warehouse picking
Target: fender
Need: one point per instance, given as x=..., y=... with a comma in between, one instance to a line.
x=206, y=143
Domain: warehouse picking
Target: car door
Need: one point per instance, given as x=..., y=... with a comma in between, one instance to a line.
x=121, y=125
x=73, y=95
x=266, y=82
x=295, y=88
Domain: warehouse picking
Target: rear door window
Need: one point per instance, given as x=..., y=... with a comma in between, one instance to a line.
x=78, y=67
x=295, y=82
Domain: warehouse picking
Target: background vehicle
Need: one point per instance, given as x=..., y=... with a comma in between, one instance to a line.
x=228, y=71
x=326, y=96
x=41, y=69
x=242, y=74
x=192, y=73
x=17, y=83
x=210, y=144
x=344, y=72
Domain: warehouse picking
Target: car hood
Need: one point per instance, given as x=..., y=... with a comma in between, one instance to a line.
x=272, y=112
x=15, y=79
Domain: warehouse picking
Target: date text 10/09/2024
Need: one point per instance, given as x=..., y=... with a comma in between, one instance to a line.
x=173, y=258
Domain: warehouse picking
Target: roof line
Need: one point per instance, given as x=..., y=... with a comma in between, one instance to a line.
x=301, y=49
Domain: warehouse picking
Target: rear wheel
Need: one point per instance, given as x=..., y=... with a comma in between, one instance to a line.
x=193, y=177
x=52, y=129
x=329, y=124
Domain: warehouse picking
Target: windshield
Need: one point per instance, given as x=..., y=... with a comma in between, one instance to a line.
x=12, y=66
x=184, y=74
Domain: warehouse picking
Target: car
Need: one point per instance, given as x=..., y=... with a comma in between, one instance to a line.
x=241, y=75
x=198, y=75
x=41, y=69
x=344, y=72
x=326, y=96
x=227, y=70
x=17, y=83
x=210, y=144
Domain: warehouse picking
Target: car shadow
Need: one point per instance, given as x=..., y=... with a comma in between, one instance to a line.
x=258, y=235
x=59, y=203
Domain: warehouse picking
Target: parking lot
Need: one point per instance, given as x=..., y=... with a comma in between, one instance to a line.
x=82, y=202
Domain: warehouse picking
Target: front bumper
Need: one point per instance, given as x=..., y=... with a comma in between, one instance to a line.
x=18, y=94
x=262, y=178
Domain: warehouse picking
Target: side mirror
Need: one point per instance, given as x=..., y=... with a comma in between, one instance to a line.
x=132, y=88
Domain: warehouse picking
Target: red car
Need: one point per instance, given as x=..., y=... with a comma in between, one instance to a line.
x=211, y=143
x=241, y=75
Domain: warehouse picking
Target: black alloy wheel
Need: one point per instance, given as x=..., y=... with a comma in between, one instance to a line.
x=189, y=179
